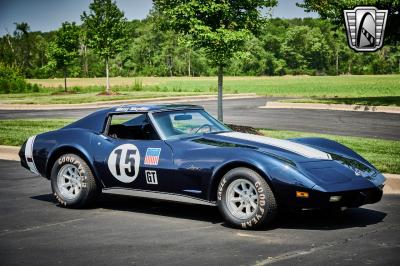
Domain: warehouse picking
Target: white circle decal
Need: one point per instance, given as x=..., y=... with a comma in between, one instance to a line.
x=124, y=162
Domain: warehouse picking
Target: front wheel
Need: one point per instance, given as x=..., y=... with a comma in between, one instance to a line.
x=72, y=182
x=245, y=199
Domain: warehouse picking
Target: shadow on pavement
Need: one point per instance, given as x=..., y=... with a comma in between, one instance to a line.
x=330, y=220
x=309, y=220
x=370, y=101
x=45, y=197
x=150, y=206
x=160, y=207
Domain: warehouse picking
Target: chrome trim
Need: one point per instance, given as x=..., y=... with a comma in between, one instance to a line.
x=158, y=195
x=156, y=127
x=192, y=191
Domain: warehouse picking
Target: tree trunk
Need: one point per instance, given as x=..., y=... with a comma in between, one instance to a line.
x=169, y=60
x=349, y=70
x=85, y=61
x=337, y=62
x=170, y=69
x=42, y=55
x=189, y=64
x=107, y=80
x=220, y=87
x=65, y=79
x=12, y=48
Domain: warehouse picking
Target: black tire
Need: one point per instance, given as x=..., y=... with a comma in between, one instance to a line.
x=89, y=189
x=266, y=208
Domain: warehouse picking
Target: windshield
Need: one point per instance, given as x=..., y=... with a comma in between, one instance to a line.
x=186, y=123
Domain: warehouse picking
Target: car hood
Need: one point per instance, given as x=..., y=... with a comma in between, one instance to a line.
x=291, y=150
x=321, y=166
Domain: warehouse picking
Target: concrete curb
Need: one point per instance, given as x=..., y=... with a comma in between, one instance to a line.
x=338, y=107
x=9, y=106
x=9, y=153
x=392, y=185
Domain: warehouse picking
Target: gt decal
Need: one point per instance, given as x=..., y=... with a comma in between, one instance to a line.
x=124, y=162
x=151, y=177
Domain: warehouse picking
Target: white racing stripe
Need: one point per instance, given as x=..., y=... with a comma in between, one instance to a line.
x=283, y=144
x=29, y=154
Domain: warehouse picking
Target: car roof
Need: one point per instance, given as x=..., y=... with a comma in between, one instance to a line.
x=143, y=108
x=95, y=121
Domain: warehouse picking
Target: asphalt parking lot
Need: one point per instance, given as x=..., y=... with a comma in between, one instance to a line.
x=246, y=112
x=138, y=231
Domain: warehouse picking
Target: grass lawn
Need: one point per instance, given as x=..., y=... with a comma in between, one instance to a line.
x=369, y=89
x=84, y=97
x=384, y=154
x=15, y=132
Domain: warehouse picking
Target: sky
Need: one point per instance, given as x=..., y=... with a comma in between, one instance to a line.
x=47, y=15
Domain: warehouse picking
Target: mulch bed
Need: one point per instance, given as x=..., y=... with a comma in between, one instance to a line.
x=244, y=129
x=64, y=92
x=111, y=93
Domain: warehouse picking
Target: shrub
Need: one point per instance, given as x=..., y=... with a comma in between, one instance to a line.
x=137, y=86
x=35, y=88
x=12, y=81
x=213, y=89
x=7, y=72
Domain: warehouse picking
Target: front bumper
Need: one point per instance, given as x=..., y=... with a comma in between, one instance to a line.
x=321, y=200
x=355, y=198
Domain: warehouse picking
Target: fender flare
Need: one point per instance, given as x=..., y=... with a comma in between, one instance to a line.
x=220, y=171
x=76, y=149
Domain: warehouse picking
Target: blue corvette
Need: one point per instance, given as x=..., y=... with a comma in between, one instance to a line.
x=182, y=150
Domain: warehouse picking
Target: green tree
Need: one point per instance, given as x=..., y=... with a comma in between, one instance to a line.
x=22, y=35
x=105, y=30
x=305, y=49
x=220, y=27
x=294, y=46
x=318, y=52
x=64, y=49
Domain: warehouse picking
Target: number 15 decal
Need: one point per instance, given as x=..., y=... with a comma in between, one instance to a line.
x=124, y=162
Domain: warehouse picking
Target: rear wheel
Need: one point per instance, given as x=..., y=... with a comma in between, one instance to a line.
x=72, y=182
x=245, y=199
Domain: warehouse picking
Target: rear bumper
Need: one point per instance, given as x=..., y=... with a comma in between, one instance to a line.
x=22, y=156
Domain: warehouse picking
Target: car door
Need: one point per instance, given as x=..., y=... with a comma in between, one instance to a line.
x=133, y=163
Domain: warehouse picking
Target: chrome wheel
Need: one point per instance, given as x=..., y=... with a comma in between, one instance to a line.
x=69, y=182
x=242, y=199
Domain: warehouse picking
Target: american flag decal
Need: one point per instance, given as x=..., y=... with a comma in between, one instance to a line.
x=152, y=156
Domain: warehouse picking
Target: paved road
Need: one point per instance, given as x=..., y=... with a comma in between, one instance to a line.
x=122, y=230
x=246, y=112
